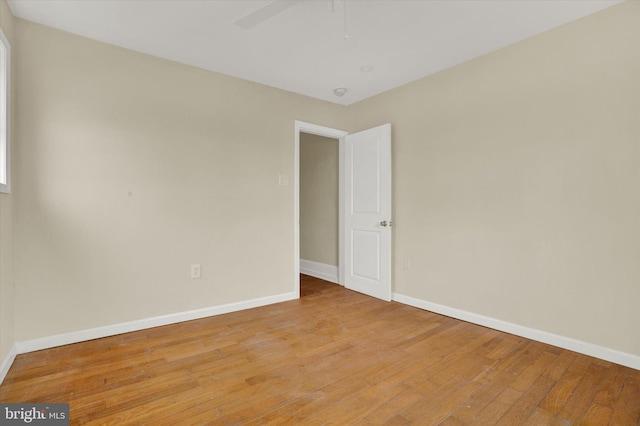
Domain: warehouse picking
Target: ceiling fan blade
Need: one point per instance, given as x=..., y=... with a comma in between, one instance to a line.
x=267, y=11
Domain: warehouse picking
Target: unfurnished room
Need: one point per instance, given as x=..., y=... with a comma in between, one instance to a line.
x=317, y=212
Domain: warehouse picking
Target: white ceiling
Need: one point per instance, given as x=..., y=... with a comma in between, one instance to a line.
x=303, y=48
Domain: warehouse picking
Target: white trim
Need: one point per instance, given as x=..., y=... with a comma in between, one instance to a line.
x=126, y=327
x=8, y=361
x=607, y=354
x=320, y=270
x=5, y=110
x=314, y=129
x=341, y=210
x=622, y=358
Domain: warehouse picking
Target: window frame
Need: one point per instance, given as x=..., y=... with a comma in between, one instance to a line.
x=5, y=121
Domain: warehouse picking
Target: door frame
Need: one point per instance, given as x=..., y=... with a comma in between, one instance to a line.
x=314, y=129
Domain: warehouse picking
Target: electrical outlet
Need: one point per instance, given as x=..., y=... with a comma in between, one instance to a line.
x=196, y=271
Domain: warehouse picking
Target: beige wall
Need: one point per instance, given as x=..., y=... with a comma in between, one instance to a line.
x=130, y=169
x=319, y=199
x=517, y=191
x=6, y=230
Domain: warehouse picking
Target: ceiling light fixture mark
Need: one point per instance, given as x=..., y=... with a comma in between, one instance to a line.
x=340, y=91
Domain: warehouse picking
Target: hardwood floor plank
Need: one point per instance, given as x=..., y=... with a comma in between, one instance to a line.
x=140, y=399
x=330, y=394
x=611, y=386
x=560, y=393
x=539, y=417
x=533, y=372
x=597, y=415
x=495, y=410
x=627, y=408
x=582, y=395
x=439, y=404
x=398, y=403
x=332, y=357
x=169, y=404
x=521, y=409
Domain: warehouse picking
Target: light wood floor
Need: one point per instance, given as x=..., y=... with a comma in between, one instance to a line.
x=332, y=357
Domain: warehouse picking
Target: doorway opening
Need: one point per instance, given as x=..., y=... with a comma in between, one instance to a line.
x=364, y=208
x=319, y=178
x=309, y=131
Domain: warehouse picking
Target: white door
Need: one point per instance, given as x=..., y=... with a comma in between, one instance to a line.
x=367, y=227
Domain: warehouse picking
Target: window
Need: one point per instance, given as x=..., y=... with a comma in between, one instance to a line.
x=4, y=113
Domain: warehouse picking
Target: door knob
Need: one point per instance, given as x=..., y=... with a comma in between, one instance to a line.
x=385, y=223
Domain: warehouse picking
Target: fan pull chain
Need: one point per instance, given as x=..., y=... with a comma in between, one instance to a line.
x=346, y=33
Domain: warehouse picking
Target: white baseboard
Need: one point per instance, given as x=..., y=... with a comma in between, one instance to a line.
x=6, y=364
x=320, y=270
x=112, y=330
x=622, y=358
x=601, y=352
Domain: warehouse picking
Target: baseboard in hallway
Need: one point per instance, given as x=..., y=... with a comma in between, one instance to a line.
x=320, y=270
